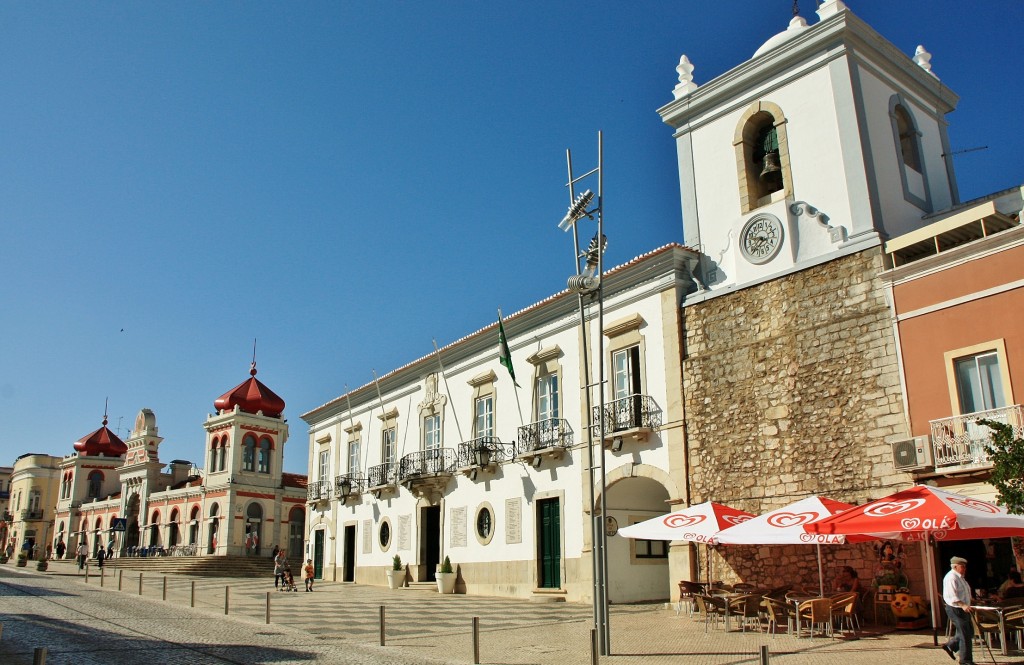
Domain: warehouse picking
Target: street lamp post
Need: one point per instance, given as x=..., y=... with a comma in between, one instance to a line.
x=587, y=284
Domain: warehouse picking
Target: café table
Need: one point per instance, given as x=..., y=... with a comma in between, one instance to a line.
x=797, y=599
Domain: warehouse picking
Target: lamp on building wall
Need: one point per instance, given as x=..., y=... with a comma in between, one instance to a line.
x=616, y=444
x=587, y=285
x=344, y=488
x=483, y=455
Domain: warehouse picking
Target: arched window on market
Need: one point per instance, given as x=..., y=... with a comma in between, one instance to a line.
x=94, y=484
x=249, y=453
x=264, y=455
x=172, y=529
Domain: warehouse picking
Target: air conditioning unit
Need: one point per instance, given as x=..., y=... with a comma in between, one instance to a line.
x=912, y=454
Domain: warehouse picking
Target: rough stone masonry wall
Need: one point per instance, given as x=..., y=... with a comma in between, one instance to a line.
x=792, y=388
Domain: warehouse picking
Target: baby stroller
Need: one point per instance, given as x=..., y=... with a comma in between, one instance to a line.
x=288, y=584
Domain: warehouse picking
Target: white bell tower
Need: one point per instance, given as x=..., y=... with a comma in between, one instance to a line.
x=826, y=142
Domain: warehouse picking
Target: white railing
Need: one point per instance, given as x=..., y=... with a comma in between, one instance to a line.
x=960, y=441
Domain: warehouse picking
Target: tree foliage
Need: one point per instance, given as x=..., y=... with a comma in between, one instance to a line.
x=1007, y=454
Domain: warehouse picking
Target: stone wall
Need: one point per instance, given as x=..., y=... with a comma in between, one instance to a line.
x=792, y=388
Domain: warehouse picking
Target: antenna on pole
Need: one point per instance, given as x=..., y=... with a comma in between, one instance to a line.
x=962, y=151
x=252, y=370
x=796, y=8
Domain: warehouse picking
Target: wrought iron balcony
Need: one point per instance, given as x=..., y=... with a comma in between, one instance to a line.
x=426, y=463
x=959, y=442
x=318, y=491
x=484, y=451
x=7, y=517
x=548, y=438
x=382, y=475
x=30, y=515
x=349, y=484
x=634, y=416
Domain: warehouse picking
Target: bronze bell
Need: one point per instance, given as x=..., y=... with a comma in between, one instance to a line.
x=771, y=168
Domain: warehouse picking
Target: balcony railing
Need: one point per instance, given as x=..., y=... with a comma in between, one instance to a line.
x=27, y=515
x=318, y=491
x=426, y=463
x=635, y=412
x=544, y=434
x=349, y=484
x=382, y=475
x=960, y=441
x=484, y=451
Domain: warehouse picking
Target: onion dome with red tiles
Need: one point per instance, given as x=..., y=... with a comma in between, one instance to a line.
x=251, y=396
x=102, y=442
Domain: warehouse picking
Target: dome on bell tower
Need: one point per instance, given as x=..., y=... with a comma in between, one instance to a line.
x=251, y=396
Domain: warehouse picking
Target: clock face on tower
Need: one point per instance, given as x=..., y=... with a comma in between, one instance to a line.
x=761, y=238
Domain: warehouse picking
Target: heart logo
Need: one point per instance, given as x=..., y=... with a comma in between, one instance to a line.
x=736, y=519
x=974, y=504
x=889, y=508
x=910, y=523
x=677, y=521
x=787, y=520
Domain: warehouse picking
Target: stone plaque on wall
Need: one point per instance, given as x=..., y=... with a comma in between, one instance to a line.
x=513, y=521
x=404, y=532
x=367, y=536
x=458, y=531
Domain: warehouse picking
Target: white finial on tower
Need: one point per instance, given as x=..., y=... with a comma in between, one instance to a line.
x=924, y=60
x=830, y=7
x=686, y=84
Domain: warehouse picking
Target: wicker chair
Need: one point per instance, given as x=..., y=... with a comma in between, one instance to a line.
x=778, y=612
x=817, y=612
x=986, y=624
x=1014, y=621
x=747, y=609
x=687, y=590
x=844, y=610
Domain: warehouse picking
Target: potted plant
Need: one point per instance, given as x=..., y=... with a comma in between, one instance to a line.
x=42, y=564
x=22, y=560
x=445, y=577
x=396, y=576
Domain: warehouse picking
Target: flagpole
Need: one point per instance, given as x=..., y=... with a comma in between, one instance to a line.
x=447, y=390
x=515, y=385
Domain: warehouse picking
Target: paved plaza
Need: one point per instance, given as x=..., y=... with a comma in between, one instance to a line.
x=86, y=622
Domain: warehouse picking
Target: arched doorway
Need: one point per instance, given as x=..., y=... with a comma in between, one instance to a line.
x=211, y=544
x=97, y=539
x=154, y=529
x=253, y=528
x=172, y=529
x=131, y=534
x=193, y=528
x=296, y=529
x=641, y=566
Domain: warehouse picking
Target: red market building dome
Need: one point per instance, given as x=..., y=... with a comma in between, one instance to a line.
x=251, y=396
x=102, y=442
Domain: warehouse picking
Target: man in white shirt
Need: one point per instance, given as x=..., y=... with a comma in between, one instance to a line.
x=956, y=596
x=83, y=552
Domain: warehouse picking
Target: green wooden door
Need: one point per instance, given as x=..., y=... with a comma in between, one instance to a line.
x=549, y=543
x=318, y=554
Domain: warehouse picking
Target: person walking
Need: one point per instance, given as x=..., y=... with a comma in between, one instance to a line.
x=83, y=552
x=956, y=596
x=100, y=555
x=279, y=564
x=61, y=548
x=307, y=574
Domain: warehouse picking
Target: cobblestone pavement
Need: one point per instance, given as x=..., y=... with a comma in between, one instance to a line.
x=93, y=622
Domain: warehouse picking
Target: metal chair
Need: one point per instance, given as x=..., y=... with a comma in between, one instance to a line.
x=777, y=611
x=986, y=623
x=687, y=590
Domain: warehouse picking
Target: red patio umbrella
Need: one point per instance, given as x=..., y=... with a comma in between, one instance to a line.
x=697, y=523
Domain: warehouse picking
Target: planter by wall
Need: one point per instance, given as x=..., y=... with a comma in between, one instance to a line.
x=446, y=582
x=396, y=579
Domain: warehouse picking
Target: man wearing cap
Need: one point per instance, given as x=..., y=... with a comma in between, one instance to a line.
x=956, y=596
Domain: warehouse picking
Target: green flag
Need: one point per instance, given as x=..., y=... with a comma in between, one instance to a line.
x=504, y=355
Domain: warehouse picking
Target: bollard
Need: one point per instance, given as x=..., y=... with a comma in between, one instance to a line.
x=268, y=607
x=165, y=588
x=227, y=596
x=192, y=602
x=476, y=640
x=140, y=584
x=764, y=655
x=86, y=581
x=39, y=656
x=103, y=575
x=120, y=576
x=1, y=631
x=382, y=625
x=593, y=646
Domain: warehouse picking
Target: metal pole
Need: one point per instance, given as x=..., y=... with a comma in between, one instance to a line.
x=120, y=578
x=593, y=646
x=268, y=607
x=764, y=655
x=103, y=574
x=192, y=600
x=382, y=625
x=606, y=643
x=476, y=640
x=86, y=572
x=227, y=598
x=39, y=656
x=165, y=588
x=140, y=584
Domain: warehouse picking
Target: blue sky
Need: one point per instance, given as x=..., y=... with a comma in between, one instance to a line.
x=346, y=181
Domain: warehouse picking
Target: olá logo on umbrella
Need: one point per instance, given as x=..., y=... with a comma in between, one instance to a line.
x=788, y=520
x=890, y=508
x=677, y=521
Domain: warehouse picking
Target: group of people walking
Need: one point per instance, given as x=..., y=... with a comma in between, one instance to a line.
x=283, y=579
